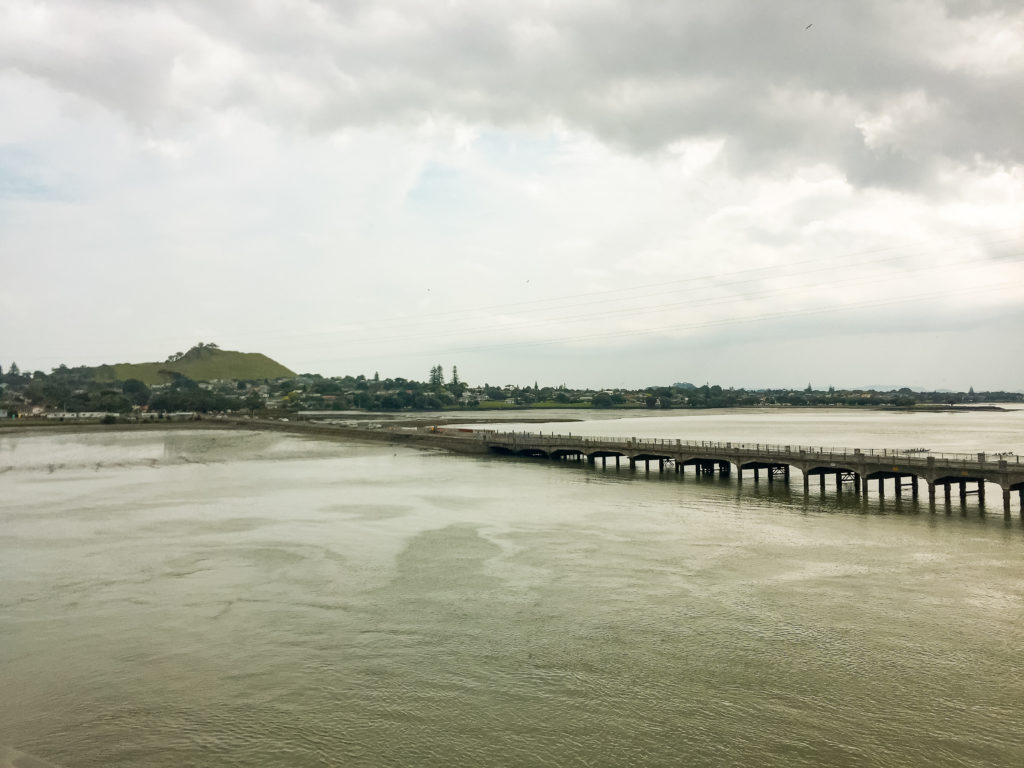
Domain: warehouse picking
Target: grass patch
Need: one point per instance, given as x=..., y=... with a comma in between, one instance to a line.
x=199, y=365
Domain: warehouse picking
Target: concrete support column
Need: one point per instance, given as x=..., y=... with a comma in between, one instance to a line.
x=632, y=463
x=899, y=486
x=839, y=483
x=661, y=465
x=963, y=491
x=931, y=493
x=617, y=462
x=771, y=474
x=947, y=491
x=785, y=473
x=807, y=484
x=864, y=486
x=757, y=475
x=913, y=487
x=981, y=491
x=881, y=487
x=821, y=482
x=856, y=483
x=1006, y=504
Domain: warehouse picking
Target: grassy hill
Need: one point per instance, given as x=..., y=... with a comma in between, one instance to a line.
x=201, y=363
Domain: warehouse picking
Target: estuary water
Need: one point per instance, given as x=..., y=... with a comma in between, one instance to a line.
x=216, y=598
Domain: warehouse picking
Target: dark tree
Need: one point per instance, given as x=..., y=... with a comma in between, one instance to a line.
x=136, y=391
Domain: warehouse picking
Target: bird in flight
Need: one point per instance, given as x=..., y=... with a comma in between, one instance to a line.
x=809, y=26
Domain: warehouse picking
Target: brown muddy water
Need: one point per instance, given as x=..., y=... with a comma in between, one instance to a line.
x=252, y=599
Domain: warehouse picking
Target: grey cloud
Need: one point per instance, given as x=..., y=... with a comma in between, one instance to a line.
x=637, y=75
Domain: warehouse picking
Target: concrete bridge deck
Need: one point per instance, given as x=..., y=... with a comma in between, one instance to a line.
x=855, y=467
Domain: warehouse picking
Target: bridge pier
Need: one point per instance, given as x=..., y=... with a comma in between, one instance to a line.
x=707, y=457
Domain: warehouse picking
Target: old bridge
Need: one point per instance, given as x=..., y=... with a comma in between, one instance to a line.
x=898, y=471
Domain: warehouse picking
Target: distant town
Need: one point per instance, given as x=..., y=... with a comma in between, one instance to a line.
x=208, y=380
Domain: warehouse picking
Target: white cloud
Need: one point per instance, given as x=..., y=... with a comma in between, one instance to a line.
x=349, y=186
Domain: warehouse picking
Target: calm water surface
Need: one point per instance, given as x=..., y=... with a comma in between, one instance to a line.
x=246, y=599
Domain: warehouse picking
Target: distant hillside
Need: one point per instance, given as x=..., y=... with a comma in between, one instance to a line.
x=201, y=363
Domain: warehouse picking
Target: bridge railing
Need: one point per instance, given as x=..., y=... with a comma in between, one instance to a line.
x=789, y=451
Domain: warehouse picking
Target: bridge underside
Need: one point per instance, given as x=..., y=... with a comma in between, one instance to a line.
x=705, y=466
x=567, y=453
x=886, y=478
x=774, y=470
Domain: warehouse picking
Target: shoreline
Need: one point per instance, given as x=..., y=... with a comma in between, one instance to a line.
x=389, y=419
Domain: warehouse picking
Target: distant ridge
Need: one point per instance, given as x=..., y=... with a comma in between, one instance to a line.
x=203, y=362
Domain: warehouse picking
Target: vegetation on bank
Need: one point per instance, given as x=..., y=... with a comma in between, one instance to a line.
x=85, y=389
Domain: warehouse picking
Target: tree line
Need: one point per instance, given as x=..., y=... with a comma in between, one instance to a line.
x=76, y=390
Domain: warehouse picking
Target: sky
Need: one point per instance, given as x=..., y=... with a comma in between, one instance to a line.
x=600, y=193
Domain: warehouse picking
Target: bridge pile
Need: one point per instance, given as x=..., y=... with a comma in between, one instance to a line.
x=902, y=470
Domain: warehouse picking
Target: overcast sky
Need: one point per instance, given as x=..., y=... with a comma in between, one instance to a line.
x=599, y=192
